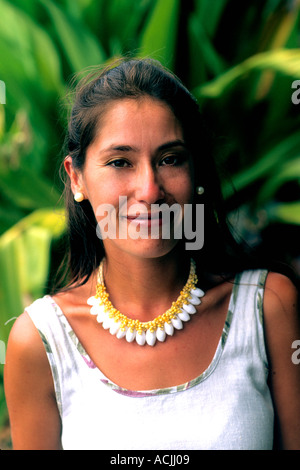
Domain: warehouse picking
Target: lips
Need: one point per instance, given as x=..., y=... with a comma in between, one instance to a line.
x=146, y=220
x=147, y=216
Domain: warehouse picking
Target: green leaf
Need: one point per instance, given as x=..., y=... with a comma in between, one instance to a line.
x=286, y=62
x=289, y=171
x=26, y=49
x=27, y=189
x=159, y=37
x=31, y=68
x=209, y=56
x=209, y=14
x=24, y=260
x=264, y=164
x=80, y=46
x=287, y=213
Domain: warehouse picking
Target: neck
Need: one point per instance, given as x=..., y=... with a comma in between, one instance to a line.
x=144, y=288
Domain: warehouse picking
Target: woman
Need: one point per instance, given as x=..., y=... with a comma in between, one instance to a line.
x=163, y=346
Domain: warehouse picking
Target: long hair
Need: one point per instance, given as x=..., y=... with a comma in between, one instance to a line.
x=136, y=78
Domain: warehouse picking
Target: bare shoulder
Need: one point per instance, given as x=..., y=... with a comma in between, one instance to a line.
x=281, y=299
x=281, y=312
x=29, y=389
x=26, y=357
x=282, y=329
x=25, y=339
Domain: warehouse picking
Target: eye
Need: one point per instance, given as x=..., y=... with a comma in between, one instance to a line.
x=118, y=163
x=173, y=160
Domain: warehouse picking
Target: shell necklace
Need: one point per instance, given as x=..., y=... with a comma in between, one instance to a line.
x=146, y=332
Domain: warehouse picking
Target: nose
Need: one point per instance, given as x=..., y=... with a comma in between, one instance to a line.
x=149, y=188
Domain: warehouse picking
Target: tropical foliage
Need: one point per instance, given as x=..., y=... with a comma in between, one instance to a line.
x=241, y=60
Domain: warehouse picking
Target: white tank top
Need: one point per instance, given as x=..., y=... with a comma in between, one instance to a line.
x=227, y=407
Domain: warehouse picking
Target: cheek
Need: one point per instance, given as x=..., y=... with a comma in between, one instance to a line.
x=185, y=189
x=102, y=190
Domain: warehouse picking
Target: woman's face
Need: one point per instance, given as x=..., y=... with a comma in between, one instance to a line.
x=137, y=163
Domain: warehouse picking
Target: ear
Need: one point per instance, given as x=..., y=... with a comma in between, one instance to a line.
x=74, y=175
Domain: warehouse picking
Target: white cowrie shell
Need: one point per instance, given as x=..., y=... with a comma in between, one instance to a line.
x=198, y=292
x=189, y=308
x=95, y=310
x=101, y=317
x=194, y=300
x=91, y=301
x=130, y=335
x=160, y=334
x=107, y=323
x=169, y=329
x=177, y=323
x=151, y=337
x=140, y=338
x=184, y=316
x=114, y=328
x=121, y=333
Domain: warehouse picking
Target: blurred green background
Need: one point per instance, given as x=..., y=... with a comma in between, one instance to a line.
x=240, y=58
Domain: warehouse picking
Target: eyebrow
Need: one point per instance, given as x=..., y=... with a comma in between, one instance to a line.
x=128, y=148
x=173, y=143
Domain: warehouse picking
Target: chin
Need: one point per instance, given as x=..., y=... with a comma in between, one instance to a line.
x=141, y=248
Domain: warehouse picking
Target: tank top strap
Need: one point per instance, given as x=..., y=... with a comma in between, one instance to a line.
x=246, y=309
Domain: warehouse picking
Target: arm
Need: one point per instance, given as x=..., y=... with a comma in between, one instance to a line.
x=282, y=328
x=34, y=417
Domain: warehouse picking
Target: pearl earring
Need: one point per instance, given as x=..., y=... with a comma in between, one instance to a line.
x=200, y=190
x=79, y=197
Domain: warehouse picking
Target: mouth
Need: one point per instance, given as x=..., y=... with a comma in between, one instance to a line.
x=146, y=216
x=146, y=219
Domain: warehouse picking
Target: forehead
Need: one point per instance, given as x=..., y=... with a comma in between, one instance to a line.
x=136, y=119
